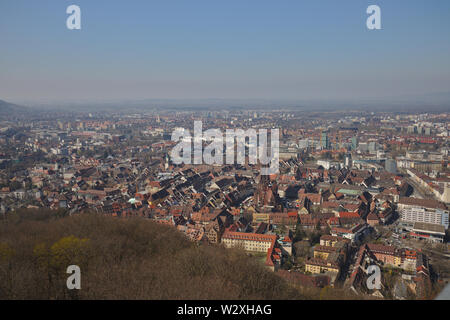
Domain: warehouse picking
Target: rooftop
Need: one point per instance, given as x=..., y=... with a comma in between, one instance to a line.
x=429, y=228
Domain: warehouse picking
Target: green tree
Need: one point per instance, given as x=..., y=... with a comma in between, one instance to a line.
x=69, y=250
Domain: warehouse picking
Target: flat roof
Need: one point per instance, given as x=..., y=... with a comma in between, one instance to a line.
x=429, y=227
x=427, y=203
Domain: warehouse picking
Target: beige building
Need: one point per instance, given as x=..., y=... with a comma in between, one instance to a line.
x=317, y=265
x=248, y=241
x=261, y=217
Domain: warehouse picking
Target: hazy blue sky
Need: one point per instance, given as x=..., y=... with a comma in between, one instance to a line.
x=299, y=49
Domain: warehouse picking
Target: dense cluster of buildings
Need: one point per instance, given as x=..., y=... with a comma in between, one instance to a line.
x=343, y=176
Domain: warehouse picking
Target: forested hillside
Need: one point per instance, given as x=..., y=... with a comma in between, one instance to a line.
x=123, y=259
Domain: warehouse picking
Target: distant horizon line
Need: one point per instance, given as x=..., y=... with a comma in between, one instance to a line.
x=395, y=99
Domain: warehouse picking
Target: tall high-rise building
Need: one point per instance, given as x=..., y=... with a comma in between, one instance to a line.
x=354, y=142
x=324, y=141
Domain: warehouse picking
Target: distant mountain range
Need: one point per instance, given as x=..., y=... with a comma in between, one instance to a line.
x=430, y=102
x=10, y=109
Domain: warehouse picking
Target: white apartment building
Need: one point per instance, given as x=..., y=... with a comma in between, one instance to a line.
x=423, y=210
x=248, y=241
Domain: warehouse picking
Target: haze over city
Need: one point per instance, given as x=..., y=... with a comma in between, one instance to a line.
x=220, y=158
x=278, y=51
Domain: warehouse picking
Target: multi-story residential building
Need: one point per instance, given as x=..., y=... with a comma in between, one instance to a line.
x=248, y=241
x=261, y=217
x=354, y=234
x=336, y=253
x=213, y=232
x=323, y=252
x=409, y=259
x=289, y=218
x=423, y=210
x=317, y=265
x=386, y=254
